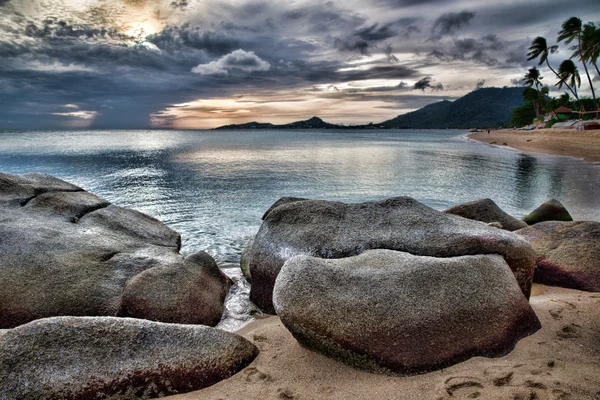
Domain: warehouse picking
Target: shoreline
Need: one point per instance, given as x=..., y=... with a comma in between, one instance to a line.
x=561, y=142
x=558, y=361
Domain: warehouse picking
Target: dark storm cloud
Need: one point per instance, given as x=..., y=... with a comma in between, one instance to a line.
x=52, y=60
x=427, y=83
x=450, y=23
x=376, y=32
x=470, y=49
x=179, y=4
x=409, y=3
x=422, y=84
x=352, y=44
x=362, y=39
x=548, y=14
x=179, y=37
x=60, y=30
x=390, y=57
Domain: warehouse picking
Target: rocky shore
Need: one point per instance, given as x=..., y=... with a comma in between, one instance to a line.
x=371, y=300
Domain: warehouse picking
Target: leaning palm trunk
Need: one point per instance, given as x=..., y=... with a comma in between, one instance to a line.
x=588, y=76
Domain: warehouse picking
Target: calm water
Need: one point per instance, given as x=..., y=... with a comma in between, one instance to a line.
x=213, y=186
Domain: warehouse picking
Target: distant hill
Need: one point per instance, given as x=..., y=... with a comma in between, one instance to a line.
x=312, y=123
x=482, y=108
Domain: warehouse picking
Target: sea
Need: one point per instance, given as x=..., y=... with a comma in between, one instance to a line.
x=213, y=186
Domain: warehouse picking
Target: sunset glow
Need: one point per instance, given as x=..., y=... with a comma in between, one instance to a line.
x=201, y=64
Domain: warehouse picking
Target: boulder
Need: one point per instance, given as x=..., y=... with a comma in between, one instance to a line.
x=182, y=293
x=568, y=253
x=334, y=230
x=392, y=312
x=107, y=357
x=64, y=251
x=485, y=210
x=244, y=260
x=551, y=210
x=282, y=201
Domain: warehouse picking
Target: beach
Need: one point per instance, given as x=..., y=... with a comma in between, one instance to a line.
x=560, y=361
x=562, y=142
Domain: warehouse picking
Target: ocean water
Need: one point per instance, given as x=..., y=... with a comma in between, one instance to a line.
x=213, y=186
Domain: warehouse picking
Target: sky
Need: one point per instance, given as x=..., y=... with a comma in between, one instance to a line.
x=195, y=64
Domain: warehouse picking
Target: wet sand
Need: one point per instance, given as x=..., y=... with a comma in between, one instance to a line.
x=560, y=361
x=564, y=142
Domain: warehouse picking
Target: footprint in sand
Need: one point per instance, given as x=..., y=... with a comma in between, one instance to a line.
x=570, y=331
x=254, y=375
x=286, y=393
x=556, y=313
x=516, y=382
x=463, y=387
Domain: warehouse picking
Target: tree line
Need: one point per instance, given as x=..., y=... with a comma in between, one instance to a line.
x=584, y=41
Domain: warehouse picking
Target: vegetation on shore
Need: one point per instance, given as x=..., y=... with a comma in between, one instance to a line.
x=584, y=41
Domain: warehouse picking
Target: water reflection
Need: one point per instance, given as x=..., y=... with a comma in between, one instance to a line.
x=213, y=186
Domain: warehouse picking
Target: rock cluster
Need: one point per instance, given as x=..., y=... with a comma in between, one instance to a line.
x=328, y=229
x=567, y=253
x=64, y=251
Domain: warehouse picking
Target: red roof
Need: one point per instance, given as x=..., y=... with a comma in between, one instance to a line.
x=563, y=110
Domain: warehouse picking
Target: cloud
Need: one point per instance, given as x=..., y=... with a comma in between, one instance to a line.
x=390, y=57
x=450, y=23
x=179, y=4
x=187, y=36
x=479, y=84
x=78, y=114
x=422, y=84
x=352, y=44
x=244, y=60
x=469, y=49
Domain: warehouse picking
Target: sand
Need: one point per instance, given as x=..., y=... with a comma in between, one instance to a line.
x=560, y=361
x=564, y=142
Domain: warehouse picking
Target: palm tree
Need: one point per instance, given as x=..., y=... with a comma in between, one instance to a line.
x=568, y=74
x=590, y=45
x=533, y=96
x=536, y=96
x=564, y=99
x=572, y=29
x=539, y=48
x=533, y=77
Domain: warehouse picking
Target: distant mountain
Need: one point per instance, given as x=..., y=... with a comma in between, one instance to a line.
x=312, y=123
x=482, y=108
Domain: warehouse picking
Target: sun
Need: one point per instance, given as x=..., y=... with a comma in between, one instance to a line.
x=142, y=29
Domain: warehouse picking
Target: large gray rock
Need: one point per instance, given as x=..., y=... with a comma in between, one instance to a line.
x=282, y=201
x=98, y=357
x=485, y=210
x=568, y=253
x=551, y=210
x=334, y=230
x=64, y=251
x=393, y=312
x=183, y=293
